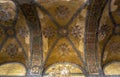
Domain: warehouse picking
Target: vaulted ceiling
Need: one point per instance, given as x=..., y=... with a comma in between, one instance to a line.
x=63, y=31
x=45, y=32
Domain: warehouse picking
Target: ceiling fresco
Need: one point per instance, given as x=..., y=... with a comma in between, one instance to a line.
x=41, y=33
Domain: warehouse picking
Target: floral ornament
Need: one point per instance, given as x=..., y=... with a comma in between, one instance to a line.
x=35, y=70
x=22, y=31
x=48, y=32
x=63, y=48
x=1, y=31
x=62, y=32
x=4, y=15
x=62, y=11
x=103, y=31
x=76, y=31
x=12, y=50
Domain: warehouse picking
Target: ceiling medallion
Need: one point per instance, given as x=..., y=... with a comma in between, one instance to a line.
x=1, y=32
x=103, y=31
x=76, y=31
x=62, y=11
x=12, y=50
x=63, y=48
x=62, y=32
x=4, y=15
x=22, y=31
x=35, y=70
x=10, y=31
x=48, y=32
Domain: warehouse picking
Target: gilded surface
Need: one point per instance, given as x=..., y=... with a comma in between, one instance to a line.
x=58, y=37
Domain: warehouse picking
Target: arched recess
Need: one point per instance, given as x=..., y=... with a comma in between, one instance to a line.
x=112, y=68
x=64, y=69
x=12, y=69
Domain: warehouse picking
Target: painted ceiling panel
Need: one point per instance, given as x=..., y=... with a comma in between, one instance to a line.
x=66, y=53
x=62, y=11
x=63, y=24
x=49, y=31
x=14, y=34
x=11, y=52
x=76, y=33
x=113, y=47
x=109, y=32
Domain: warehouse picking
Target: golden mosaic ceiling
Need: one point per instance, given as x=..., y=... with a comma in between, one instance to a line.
x=52, y=31
x=14, y=36
x=62, y=29
x=63, y=25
